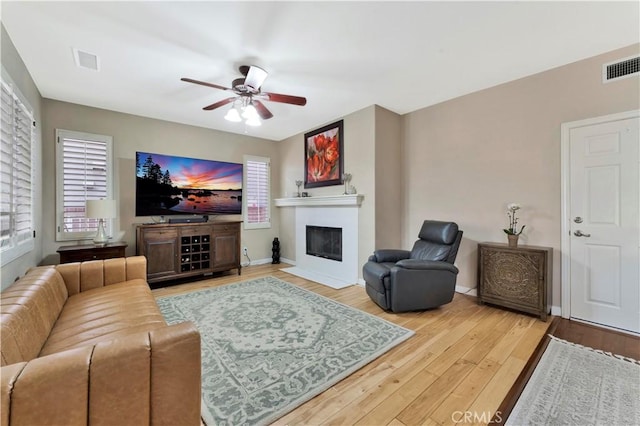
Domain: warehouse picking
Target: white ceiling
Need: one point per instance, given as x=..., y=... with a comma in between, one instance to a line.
x=341, y=56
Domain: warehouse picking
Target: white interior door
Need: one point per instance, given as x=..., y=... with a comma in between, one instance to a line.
x=605, y=224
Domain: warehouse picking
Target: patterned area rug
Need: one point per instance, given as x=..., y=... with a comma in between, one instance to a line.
x=268, y=346
x=576, y=385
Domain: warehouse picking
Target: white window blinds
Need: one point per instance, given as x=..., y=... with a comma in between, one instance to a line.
x=83, y=173
x=17, y=138
x=257, y=181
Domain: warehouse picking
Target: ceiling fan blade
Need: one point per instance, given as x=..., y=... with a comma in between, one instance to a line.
x=262, y=110
x=285, y=99
x=255, y=77
x=219, y=104
x=204, y=83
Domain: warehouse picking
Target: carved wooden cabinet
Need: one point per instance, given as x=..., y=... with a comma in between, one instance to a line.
x=517, y=278
x=177, y=250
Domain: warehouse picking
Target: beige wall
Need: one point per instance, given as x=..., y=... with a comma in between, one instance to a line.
x=359, y=160
x=465, y=159
x=12, y=64
x=389, y=219
x=133, y=133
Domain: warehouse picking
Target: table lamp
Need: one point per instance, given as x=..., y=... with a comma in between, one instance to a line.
x=101, y=209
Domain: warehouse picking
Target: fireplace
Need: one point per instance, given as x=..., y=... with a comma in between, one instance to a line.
x=338, y=215
x=325, y=242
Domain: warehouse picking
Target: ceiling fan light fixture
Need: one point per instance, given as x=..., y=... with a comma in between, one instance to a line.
x=233, y=115
x=244, y=107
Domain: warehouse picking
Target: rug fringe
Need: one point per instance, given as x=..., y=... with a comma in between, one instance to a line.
x=610, y=354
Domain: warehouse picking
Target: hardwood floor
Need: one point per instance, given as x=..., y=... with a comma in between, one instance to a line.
x=598, y=338
x=458, y=367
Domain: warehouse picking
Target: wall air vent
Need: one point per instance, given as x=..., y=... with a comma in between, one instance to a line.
x=622, y=68
x=86, y=60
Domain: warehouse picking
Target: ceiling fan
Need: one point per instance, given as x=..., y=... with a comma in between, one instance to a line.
x=248, y=96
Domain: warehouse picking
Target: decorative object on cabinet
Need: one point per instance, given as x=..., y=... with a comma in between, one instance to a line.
x=516, y=278
x=512, y=231
x=323, y=156
x=85, y=252
x=101, y=210
x=180, y=250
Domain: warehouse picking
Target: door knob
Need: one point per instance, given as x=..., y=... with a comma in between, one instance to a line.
x=577, y=219
x=579, y=233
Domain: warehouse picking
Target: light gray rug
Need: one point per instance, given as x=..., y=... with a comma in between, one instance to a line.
x=576, y=385
x=268, y=346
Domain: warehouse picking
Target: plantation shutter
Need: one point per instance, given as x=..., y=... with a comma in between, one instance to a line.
x=7, y=167
x=257, y=172
x=85, y=163
x=16, y=141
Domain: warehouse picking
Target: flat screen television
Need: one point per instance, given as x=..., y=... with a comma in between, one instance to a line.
x=171, y=185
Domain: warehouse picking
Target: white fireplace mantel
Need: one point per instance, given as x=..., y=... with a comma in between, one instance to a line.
x=353, y=200
x=334, y=211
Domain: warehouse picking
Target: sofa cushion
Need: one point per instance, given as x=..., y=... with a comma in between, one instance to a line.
x=29, y=309
x=104, y=313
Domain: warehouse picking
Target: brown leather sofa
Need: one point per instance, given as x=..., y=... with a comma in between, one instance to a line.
x=85, y=343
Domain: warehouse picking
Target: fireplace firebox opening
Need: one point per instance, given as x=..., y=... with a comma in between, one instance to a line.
x=325, y=242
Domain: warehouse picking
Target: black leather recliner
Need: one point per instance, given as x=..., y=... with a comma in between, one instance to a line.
x=423, y=278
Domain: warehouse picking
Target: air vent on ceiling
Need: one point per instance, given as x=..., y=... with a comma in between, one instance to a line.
x=86, y=60
x=622, y=68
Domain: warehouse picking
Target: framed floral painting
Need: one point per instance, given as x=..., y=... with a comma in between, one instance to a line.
x=323, y=156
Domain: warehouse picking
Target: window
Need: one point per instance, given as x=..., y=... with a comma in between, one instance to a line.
x=257, y=197
x=17, y=140
x=83, y=172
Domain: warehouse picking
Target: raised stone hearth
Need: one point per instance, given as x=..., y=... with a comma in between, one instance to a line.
x=340, y=211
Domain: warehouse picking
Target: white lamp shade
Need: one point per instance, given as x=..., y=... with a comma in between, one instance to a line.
x=254, y=122
x=101, y=209
x=250, y=112
x=233, y=115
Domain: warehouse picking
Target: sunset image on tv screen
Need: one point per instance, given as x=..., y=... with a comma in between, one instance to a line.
x=169, y=185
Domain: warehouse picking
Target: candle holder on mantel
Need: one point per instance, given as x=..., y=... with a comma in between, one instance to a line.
x=346, y=177
x=298, y=184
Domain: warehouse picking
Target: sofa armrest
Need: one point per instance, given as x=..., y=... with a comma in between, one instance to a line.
x=83, y=276
x=145, y=378
x=389, y=255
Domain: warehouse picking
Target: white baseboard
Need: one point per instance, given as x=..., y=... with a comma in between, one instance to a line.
x=267, y=260
x=361, y=282
x=469, y=291
x=556, y=310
